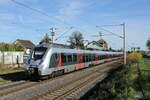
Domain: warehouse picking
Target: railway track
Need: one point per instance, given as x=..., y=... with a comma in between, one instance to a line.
x=9, y=84
x=15, y=87
x=69, y=90
x=64, y=86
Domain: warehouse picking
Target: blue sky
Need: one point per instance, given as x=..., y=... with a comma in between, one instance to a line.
x=17, y=22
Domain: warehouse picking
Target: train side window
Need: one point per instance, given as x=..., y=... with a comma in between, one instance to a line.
x=64, y=60
x=69, y=58
x=87, y=58
x=90, y=59
x=93, y=57
x=84, y=60
x=54, y=59
x=74, y=57
x=103, y=56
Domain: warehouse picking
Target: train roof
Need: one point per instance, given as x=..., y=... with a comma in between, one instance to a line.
x=62, y=49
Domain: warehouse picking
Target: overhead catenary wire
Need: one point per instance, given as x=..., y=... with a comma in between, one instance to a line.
x=64, y=33
x=109, y=25
x=110, y=32
x=39, y=11
x=48, y=15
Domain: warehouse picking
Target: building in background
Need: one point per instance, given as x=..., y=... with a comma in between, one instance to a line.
x=97, y=45
x=26, y=44
x=104, y=44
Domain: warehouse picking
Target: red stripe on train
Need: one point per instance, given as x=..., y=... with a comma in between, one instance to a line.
x=80, y=64
x=59, y=62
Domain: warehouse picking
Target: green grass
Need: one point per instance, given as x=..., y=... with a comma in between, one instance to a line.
x=145, y=73
x=10, y=70
x=3, y=80
x=144, y=65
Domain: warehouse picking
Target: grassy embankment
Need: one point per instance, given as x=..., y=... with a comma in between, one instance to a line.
x=145, y=78
x=124, y=83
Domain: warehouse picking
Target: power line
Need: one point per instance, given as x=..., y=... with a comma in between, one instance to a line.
x=109, y=25
x=64, y=33
x=44, y=13
x=39, y=11
x=110, y=32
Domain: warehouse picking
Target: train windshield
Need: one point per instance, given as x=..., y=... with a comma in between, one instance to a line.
x=38, y=53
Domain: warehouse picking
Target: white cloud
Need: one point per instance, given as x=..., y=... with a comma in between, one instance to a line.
x=71, y=8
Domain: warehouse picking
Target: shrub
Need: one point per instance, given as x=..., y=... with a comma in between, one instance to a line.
x=130, y=94
x=134, y=57
x=10, y=47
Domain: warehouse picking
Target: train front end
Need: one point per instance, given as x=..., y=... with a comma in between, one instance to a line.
x=34, y=64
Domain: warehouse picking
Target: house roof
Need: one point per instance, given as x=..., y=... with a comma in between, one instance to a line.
x=97, y=43
x=25, y=43
x=102, y=41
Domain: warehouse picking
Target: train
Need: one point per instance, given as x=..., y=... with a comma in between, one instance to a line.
x=49, y=60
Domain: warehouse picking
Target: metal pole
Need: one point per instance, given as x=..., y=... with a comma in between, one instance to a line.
x=124, y=43
x=53, y=33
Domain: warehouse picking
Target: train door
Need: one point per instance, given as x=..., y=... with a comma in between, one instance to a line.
x=80, y=61
x=96, y=59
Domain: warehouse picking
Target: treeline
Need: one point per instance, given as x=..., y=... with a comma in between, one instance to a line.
x=10, y=47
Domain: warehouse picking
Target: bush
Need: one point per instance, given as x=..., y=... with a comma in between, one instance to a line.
x=130, y=94
x=10, y=47
x=134, y=57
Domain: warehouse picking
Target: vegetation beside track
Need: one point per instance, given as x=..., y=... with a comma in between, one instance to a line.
x=145, y=78
x=10, y=70
x=6, y=74
x=124, y=83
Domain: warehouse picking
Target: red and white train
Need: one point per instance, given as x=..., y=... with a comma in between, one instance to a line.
x=47, y=60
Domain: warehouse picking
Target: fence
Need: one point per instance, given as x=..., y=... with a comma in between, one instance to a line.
x=11, y=57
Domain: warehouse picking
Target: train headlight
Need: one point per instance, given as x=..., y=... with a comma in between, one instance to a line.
x=31, y=70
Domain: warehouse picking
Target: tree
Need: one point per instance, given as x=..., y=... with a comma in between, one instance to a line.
x=148, y=43
x=76, y=40
x=10, y=47
x=17, y=47
x=46, y=39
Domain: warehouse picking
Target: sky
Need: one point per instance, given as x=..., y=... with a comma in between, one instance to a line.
x=19, y=22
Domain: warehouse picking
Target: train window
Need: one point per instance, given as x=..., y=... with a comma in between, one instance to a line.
x=84, y=60
x=94, y=57
x=69, y=57
x=90, y=59
x=74, y=58
x=87, y=58
x=38, y=53
x=56, y=56
x=54, y=59
x=64, y=60
x=103, y=56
